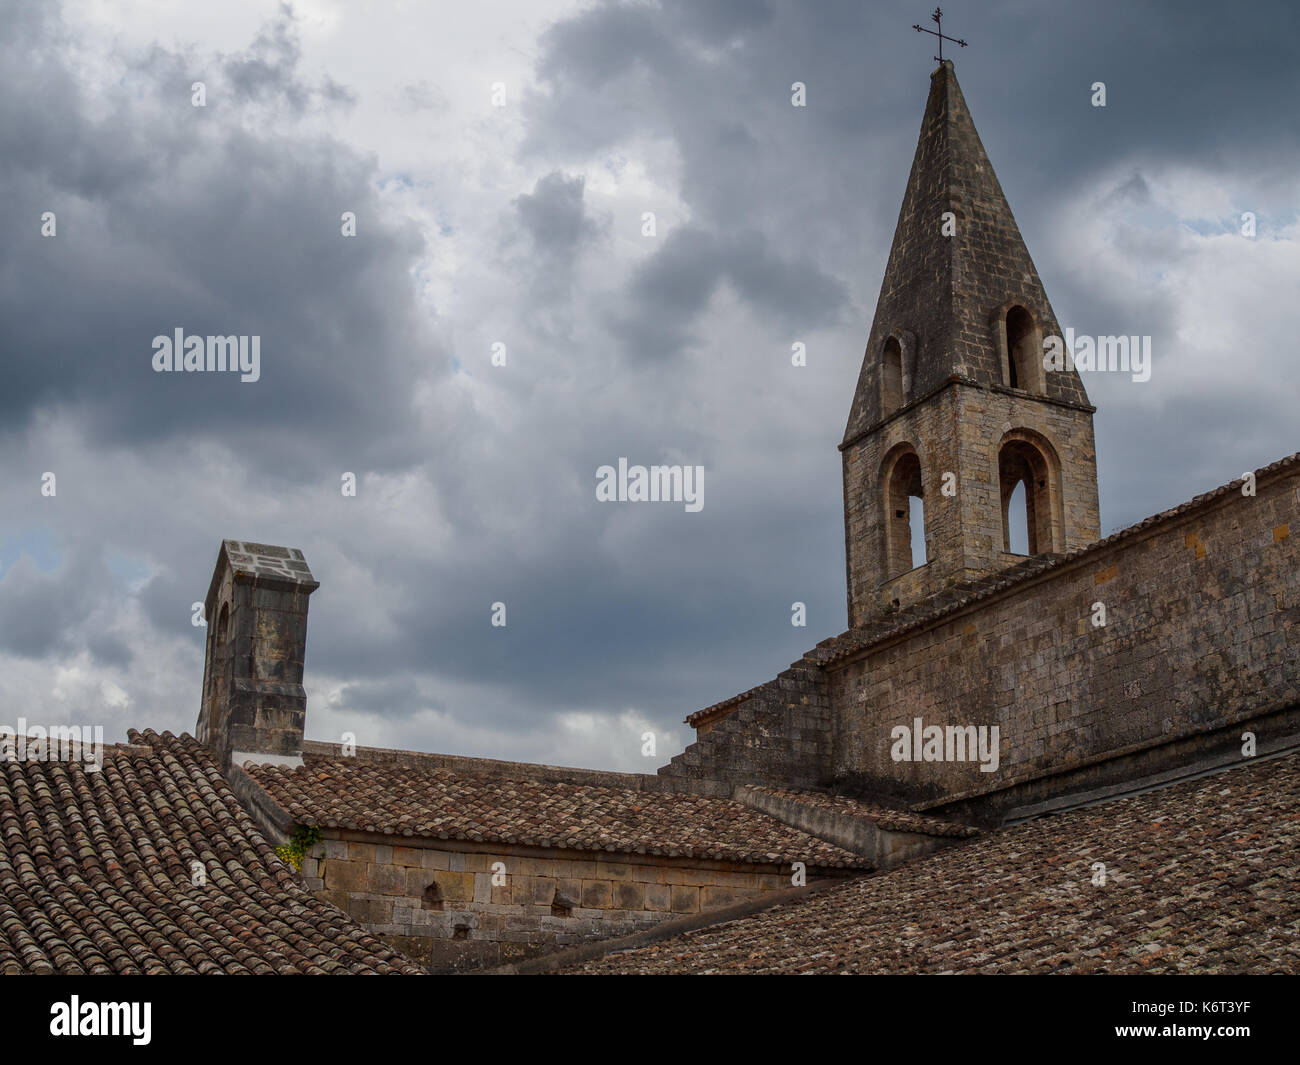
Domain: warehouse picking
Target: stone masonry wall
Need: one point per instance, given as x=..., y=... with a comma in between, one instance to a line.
x=1202, y=630
x=984, y=418
x=781, y=734
x=473, y=923
x=960, y=430
x=1202, y=633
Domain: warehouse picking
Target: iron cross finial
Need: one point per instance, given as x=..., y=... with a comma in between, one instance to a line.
x=937, y=19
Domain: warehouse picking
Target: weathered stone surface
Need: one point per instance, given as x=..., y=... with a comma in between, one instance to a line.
x=954, y=401
x=256, y=608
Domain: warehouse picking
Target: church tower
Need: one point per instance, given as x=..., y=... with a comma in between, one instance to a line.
x=953, y=405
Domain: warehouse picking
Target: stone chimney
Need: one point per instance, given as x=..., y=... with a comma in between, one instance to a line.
x=254, y=704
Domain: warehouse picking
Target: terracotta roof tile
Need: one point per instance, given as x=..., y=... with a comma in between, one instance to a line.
x=95, y=875
x=441, y=803
x=1200, y=878
x=888, y=818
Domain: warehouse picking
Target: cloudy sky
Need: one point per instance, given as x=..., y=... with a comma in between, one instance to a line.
x=499, y=158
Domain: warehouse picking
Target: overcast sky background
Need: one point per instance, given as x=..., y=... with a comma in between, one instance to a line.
x=522, y=225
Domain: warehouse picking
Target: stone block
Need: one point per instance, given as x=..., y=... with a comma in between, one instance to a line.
x=454, y=887
x=713, y=897
x=630, y=895
x=685, y=899
x=371, y=911
x=386, y=879
x=434, y=859
x=346, y=876
x=540, y=891
x=596, y=894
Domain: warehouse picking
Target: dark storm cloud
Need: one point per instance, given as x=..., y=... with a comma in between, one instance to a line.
x=1185, y=86
x=174, y=216
x=389, y=697
x=227, y=220
x=721, y=21
x=43, y=612
x=553, y=215
x=673, y=288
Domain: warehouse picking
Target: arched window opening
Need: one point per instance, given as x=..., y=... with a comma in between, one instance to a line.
x=216, y=675
x=1024, y=354
x=891, y=376
x=1026, y=479
x=1018, y=521
x=905, y=515
x=916, y=519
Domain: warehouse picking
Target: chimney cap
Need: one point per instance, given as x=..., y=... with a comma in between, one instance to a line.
x=251, y=561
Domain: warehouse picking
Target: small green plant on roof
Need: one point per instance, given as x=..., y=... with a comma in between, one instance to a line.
x=303, y=839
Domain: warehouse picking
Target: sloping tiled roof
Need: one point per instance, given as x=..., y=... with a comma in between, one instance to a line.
x=95, y=875
x=440, y=803
x=1200, y=878
x=885, y=817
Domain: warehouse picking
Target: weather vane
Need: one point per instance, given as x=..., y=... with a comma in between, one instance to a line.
x=936, y=18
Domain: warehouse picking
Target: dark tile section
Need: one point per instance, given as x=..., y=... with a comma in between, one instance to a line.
x=1200, y=877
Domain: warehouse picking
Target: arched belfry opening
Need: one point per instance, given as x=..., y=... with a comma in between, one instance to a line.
x=891, y=377
x=1023, y=351
x=1029, y=476
x=904, y=512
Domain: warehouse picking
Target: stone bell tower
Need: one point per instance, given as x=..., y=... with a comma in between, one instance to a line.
x=254, y=704
x=953, y=405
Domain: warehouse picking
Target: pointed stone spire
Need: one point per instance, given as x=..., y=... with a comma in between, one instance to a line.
x=944, y=293
x=954, y=408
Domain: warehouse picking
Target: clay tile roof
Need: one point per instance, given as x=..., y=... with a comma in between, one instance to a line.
x=1200, y=878
x=95, y=875
x=885, y=817
x=441, y=803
